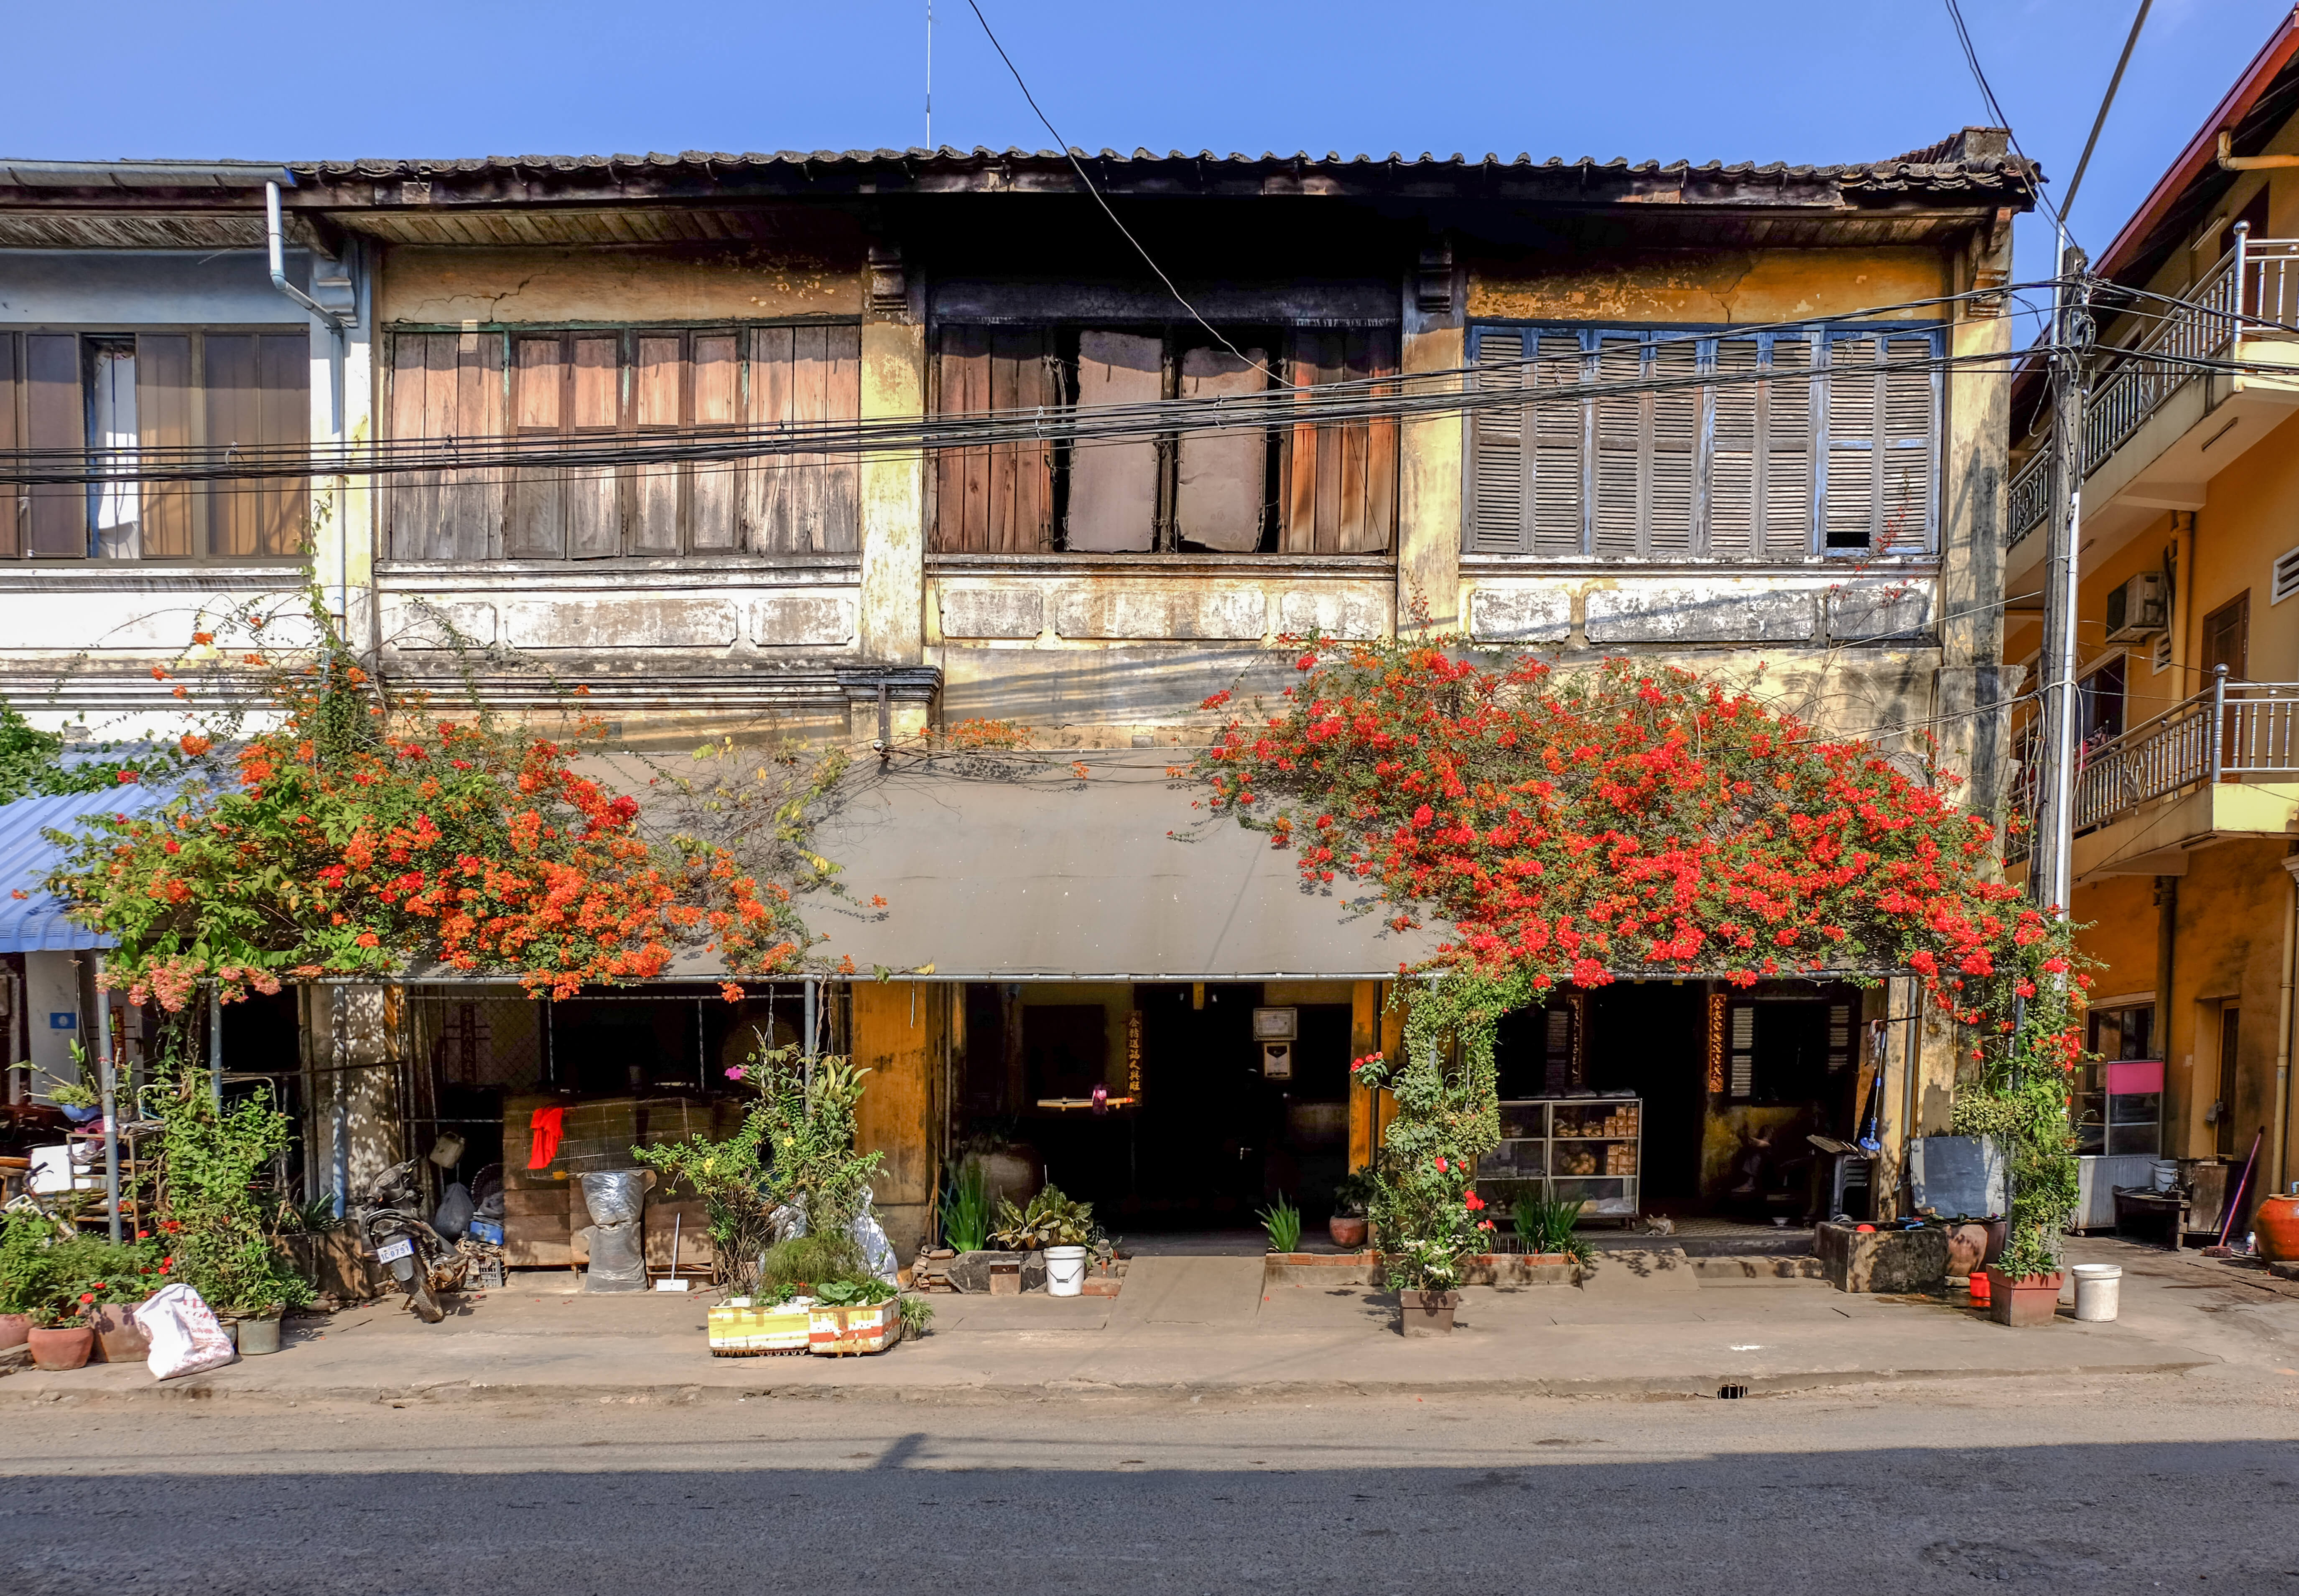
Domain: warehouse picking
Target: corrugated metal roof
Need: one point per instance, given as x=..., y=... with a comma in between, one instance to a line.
x=36, y=922
x=1942, y=167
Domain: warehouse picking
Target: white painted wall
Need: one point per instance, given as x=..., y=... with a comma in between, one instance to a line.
x=51, y=988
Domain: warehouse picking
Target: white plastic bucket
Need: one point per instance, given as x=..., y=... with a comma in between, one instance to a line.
x=1065, y=1271
x=2098, y=1289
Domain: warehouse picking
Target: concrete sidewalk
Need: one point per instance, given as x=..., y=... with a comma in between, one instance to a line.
x=1644, y=1324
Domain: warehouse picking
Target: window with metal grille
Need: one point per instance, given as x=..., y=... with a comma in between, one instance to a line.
x=1694, y=445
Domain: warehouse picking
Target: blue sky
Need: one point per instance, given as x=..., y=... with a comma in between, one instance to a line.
x=1775, y=79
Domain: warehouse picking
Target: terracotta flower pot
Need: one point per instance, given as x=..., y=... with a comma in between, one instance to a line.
x=2027, y=1301
x=1348, y=1230
x=63, y=1347
x=2277, y=1225
x=13, y=1329
x=1426, y=1312
x=118, y=1339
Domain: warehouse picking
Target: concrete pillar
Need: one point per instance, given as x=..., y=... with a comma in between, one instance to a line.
x=898, y=1037
x=1973, y=734
x=352, y=1130
x=1431, y=450
x=893, y=484
x=344, y=508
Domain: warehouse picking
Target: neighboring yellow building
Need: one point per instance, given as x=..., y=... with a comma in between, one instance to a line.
x=2186, y=844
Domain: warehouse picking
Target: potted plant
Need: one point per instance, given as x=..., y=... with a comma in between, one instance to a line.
x=1545, y=1227
x=78, y=1095
x=1425, y=1204
x=1282, y=1221
x=25, y=1234
x=1060, y=1227
x=853, y=1316
x=1351, y=1198
x=63, y=1332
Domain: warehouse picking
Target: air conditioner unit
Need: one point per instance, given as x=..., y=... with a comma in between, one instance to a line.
x=2136, y=609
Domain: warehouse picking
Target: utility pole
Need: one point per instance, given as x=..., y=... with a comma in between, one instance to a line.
x=2048, y=868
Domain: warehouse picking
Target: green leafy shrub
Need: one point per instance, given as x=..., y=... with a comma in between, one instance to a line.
x=857, y=1293
x=212, y=1219
x=813, y=1261
x=1354, y=1196
x=1050, y=1221
x=1546, y=1226
x=918, y=1314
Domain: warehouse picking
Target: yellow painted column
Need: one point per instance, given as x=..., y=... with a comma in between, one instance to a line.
x=1364, y=1036
x=1430, y=453
x=898, y=1037
x=893, y=622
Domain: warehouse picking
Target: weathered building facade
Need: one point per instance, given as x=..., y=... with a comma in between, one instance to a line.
x=1789, y=468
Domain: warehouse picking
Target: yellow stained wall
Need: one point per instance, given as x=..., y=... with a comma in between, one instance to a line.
x=1711, y=285
x=435, y=284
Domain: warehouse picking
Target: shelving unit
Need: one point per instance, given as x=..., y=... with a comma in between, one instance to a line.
x=1586, y=1148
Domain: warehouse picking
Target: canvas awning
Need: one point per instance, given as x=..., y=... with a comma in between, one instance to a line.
x=35, y=921
x=1010, y=867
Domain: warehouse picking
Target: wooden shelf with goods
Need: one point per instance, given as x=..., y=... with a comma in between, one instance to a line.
x=1588, y=1149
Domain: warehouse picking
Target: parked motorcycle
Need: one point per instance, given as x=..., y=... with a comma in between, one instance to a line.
x=424, y=1263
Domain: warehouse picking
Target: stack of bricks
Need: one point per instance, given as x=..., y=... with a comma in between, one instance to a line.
x=930, y=1272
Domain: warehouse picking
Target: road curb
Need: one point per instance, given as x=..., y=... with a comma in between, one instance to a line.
x=201, y=1391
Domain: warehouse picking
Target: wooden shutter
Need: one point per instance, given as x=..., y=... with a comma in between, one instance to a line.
x=1500, y=454
x=810, y=502
x=163, y=425
x=1850, y=492
x=1560, y=432
x=447, y=389
x=13, y=500
x=1339, y=479
x=1557, y=1072
x=55, y=418
x=995, y=497
x=283, y=399
x=714, y=521
x=228, y=395
x=1730, y=503
x=535, y=526
x=1112, y=497
x=1670, y=530
x=1840, y=1037
x=659, y=406
x=256, y=395
x=594, y=413
x=1624, y=447
x=1741, y=1051
x=1907, y=446
x=1221, y=484
x=1784, y=480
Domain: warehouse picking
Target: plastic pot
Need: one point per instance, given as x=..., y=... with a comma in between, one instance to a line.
x=2099, y=1288
x=1065, y=1271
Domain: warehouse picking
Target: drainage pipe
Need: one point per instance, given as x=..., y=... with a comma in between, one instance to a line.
x=338, y=357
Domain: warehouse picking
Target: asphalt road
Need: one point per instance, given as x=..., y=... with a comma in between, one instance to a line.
x=2185, y=1482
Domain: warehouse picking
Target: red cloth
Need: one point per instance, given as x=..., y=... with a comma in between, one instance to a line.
x=547, y=1126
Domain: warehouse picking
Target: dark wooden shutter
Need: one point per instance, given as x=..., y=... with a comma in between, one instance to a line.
x=1113, y=487
x=283, y=399
x=229, y=390
x=1221, y=478
x=809, y=503
x=1339, y=479
x=714, y=519
x=1729, y=500
x=1784, y=478
x=56, y=417
x=13, y=500
x=448, y=386
x=1741, y=1051
x=995, y=497
x=163, y=427
x=535, y=526
x=1500, y=448
x=1840, y=1038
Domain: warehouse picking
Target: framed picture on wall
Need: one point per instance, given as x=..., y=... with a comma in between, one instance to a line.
x=1274, y=1025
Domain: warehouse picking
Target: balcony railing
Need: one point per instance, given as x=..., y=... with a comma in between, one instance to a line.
x=2257, y=281
x=2238, y=730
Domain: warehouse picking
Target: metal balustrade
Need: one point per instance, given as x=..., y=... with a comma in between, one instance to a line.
x=2251, y=289
x=2238, y=730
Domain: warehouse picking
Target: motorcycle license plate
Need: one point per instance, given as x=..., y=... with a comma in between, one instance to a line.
x=392, y=1251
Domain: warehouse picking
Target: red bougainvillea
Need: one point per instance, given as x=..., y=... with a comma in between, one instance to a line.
x=1581, y=827
x=352, y=840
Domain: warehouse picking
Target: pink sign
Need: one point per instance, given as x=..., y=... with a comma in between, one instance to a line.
x=2135, y=1075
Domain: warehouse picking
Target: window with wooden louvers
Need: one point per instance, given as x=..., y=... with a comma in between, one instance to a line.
x=1765, y=446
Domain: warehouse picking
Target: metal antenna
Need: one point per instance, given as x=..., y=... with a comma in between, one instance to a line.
x=929, y=143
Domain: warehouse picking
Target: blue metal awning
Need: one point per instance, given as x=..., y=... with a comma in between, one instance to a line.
x=37, y=922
